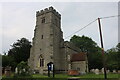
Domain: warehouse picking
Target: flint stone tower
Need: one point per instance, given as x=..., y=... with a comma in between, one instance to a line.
x=48, y=45
x=47, y=40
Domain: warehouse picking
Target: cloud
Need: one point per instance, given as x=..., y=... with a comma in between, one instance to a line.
x=19, y=20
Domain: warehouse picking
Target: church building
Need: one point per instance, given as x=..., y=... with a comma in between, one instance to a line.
x=48, y=45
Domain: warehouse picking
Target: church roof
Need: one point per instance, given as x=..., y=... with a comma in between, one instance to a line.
x=78, y=57
x=71, y=46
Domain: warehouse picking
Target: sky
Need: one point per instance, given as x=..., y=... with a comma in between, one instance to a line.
x=119, y=22
x=19, y=20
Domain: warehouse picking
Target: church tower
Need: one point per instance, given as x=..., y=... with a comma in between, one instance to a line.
x=47, y=41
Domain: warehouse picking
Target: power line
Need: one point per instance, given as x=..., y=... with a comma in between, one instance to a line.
x=109, y=17
x=90, y=24
x=81, y=28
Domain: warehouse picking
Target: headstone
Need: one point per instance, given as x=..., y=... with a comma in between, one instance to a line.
x=3, y=70
x=102, y=70
x=96, y=71
x=108, y=71
x=20, y=72
x=118, y=71
x=114, y=71
x=92, y=70
x=7, y=71
x=16, y=70
x=23, y=70
x=34, y=72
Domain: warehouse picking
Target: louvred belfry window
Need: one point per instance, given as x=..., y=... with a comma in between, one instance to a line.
x=43, y=20
x=41, y=36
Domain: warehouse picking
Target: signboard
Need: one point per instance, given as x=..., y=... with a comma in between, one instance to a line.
x=50, y=68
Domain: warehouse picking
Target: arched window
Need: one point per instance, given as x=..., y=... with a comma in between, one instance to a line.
x=41, y=61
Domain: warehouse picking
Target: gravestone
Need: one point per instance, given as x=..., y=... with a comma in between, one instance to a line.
x=3, y=70
x=7, y=71
x=96, y=71
x=114, y=71
x=102, y=70
x=16, y=70
x=24, y=70
x=118, y=71
x=92, y=70
x=108, y=71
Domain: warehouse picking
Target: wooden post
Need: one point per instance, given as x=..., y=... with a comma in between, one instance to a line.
x=103, y=55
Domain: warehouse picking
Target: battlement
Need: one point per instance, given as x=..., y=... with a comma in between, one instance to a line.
x=47, y=10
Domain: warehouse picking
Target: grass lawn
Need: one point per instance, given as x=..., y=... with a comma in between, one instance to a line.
x=89, y=75
x=39, y=76
x=110, y=75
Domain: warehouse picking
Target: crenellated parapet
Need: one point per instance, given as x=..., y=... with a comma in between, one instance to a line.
x=47, y=10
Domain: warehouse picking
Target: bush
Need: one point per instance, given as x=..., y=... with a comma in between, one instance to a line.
x=23, y=69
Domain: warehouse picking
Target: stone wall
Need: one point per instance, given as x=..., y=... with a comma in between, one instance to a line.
x=68, y=49
x=80, y=66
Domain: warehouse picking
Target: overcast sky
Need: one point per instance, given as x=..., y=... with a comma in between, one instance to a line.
x=18, y=20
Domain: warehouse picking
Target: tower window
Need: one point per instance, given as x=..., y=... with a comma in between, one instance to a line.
x=56, y=21
x=43, y=20
x=42, y=37
x=41, y=62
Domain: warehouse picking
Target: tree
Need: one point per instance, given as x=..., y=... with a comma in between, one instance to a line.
x=118, y=55
x=85, y=44
x=8, y=61
x=118, y=47
x=0, y=60
x=20, y=50
x=0, y=63
x=112, y=59
x=90, y=47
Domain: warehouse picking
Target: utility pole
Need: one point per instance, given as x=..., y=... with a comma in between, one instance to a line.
x=103, y=55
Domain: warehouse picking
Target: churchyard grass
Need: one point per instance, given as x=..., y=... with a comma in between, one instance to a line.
x=39, y=76
x=89, y=75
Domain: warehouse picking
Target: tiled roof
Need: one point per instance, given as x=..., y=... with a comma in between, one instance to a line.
x=78, y=57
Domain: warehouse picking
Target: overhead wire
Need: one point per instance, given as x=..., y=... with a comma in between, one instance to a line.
x=90, y=24
x=81, y=28
x=109, y=17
